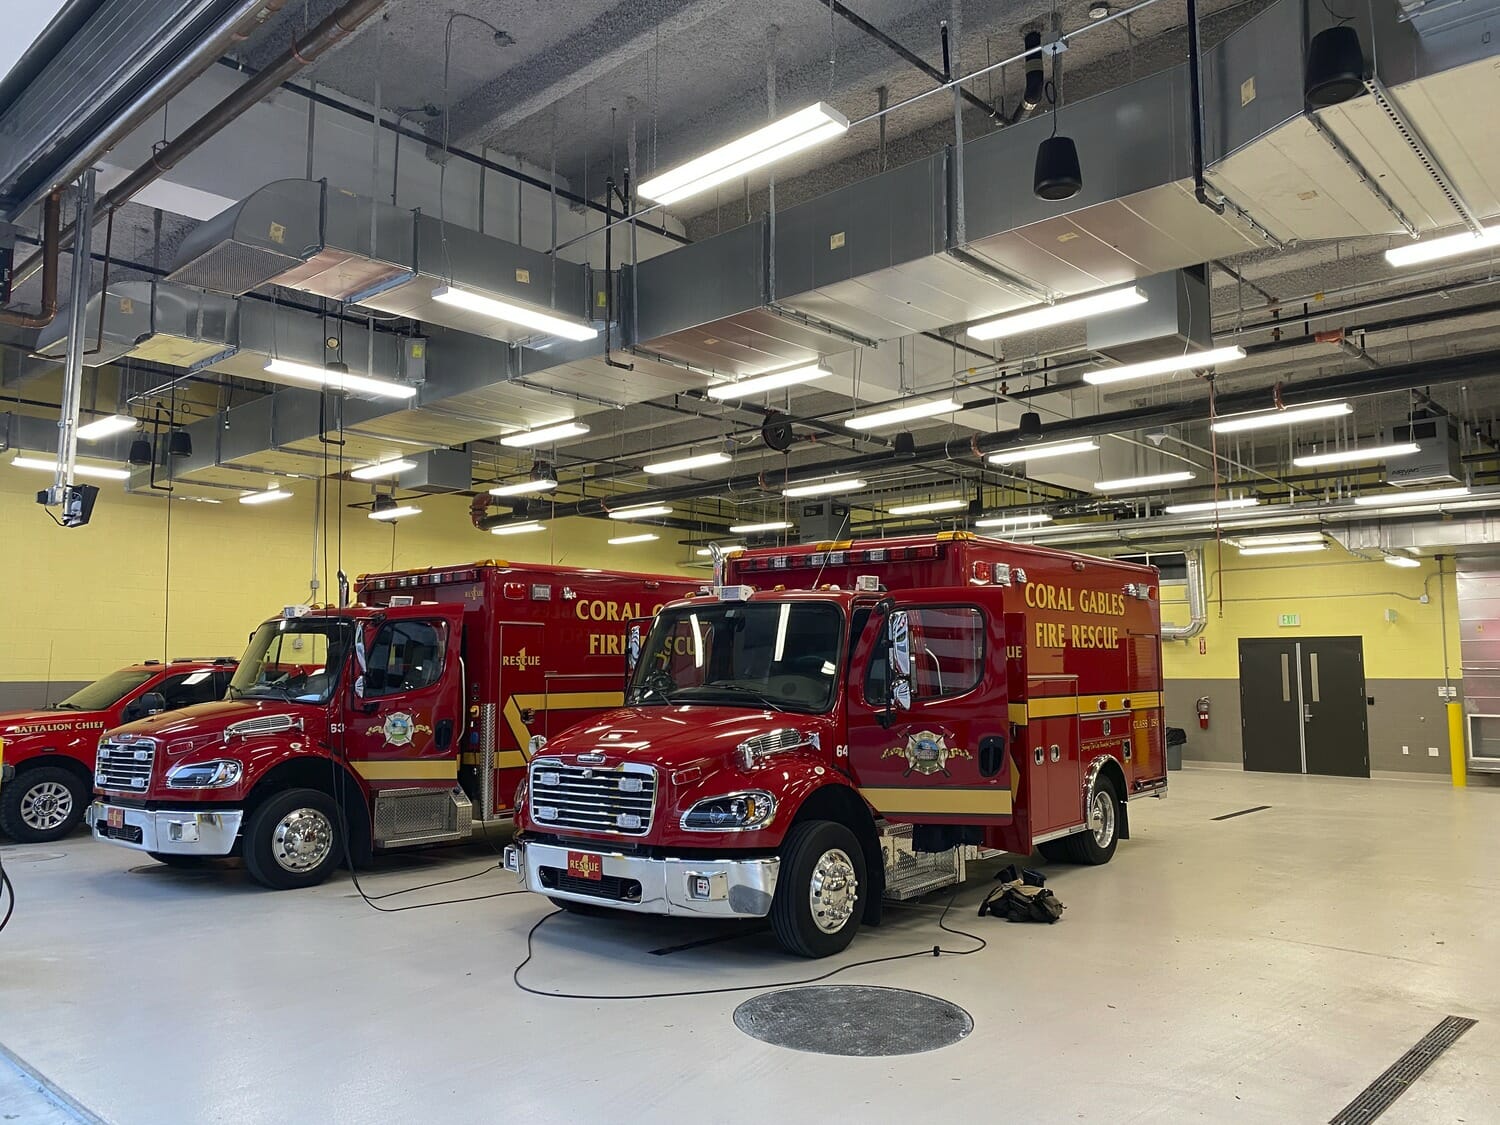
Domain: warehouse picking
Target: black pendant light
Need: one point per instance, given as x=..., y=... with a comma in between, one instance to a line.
x=1031, y=427
x=180, y=444
x=1335, y=67
x=1057, y=175
x=140, y=451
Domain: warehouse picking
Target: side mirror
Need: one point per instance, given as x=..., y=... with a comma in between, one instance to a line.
x=900, y=657
x=152, y=703
x=633, y=639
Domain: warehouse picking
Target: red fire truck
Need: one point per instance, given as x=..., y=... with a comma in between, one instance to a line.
x=843, y=722
x=404, y=719
x=51, y=750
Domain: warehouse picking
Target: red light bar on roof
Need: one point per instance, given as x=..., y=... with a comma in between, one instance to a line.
x=817, y=559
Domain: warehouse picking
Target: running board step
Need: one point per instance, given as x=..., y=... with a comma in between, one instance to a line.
x=406, y=817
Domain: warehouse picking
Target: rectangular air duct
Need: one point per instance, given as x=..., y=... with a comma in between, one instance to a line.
x=165, y=323
x=323, y=240
x=1177, y=317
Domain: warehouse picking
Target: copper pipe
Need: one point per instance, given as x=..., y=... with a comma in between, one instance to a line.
x=51, y=248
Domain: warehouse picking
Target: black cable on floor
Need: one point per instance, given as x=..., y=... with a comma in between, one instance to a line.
x=934, y=951
x=7, y=891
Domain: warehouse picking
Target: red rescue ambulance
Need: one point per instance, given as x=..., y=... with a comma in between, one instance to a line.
x=403, y=720
x=838, y=723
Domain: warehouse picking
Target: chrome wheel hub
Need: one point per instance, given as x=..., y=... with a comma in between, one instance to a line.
x=1102, y=818
x=301, y=840
x=834, y=891
x=46, y=806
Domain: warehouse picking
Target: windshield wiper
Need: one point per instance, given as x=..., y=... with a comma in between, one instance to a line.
x=65, y=706
x=281, y=692
x=742, y=689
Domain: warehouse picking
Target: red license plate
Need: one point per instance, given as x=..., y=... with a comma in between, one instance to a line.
x=585, y=865
x=113, y=817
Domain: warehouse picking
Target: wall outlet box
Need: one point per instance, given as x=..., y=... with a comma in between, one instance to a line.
x=1289, y=620
x=1406, y=749
x=1390, y=616
x=1432, y=751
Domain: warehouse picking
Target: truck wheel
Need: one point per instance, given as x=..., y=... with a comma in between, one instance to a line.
x=1095, y=845
x=820, y=889
x=1056, y=851
x=42, y=805
x=292, y=840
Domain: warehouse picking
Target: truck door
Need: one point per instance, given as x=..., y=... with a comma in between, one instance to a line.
x=404, y=714
x=928, y=723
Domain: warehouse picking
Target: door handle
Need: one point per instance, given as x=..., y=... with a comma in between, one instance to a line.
x=1056, y=752
x=991, y=754
x=1307, y=712
x=443, y=735
x=1037, y=755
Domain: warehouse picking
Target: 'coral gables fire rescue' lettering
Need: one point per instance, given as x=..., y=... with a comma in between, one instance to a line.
x=597, y=609
x=1074, y=634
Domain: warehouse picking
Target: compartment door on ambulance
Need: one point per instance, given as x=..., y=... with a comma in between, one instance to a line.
x=927, y=720
x=404, y=710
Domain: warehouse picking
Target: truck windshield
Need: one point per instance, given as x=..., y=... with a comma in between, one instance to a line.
x=104, y=693
x=781, y=655
x=295, y=659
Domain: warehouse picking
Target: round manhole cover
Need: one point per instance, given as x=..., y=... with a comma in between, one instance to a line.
x=853, y=1020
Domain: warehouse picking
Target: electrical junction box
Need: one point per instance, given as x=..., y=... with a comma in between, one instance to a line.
x=1438, y=461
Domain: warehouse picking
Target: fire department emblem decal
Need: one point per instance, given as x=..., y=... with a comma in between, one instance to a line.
x=926, y=753
x=399, y=729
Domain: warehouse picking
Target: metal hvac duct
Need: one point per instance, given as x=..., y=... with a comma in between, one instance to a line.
x=158, y=321
x=307, y=236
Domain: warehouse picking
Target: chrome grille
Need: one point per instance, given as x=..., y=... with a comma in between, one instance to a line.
x=125, y=765
x=619, y=799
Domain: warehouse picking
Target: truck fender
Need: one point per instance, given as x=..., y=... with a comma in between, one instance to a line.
x=1107, y=766
x=312, y=771
x=814, y=792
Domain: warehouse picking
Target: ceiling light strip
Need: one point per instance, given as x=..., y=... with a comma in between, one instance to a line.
x=1124, y=483
x=898, y=414
x=1354, y=456
x=1270, y=419
x=544, y=434
x=1040, y=452
x=99, y=472
x=511, y=313
x=1060, y=312
x=338, y=380
x=824, y=488
x=1167, y=365
x=774, y=381
x=685, y=464
x=382, y=469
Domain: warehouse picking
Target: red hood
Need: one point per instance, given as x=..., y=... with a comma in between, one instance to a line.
x=211, y=718
x=673, y=737
x=50, y=728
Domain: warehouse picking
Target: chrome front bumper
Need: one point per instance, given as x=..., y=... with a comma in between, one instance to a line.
x=719, y=888
x=172, y=831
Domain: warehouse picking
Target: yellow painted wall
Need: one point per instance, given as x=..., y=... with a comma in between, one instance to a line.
x=1336, y=595
x=80, y=602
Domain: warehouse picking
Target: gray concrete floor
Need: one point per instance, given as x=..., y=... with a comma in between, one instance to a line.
x=1260, y=969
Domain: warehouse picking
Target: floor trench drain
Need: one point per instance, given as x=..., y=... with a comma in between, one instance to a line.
x=862, y=1020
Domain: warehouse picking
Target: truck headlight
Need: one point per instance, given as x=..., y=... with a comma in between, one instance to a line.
x=733, y=812
x=218, y=774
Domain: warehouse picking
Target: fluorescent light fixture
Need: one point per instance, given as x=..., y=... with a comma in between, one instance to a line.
x=1211, y=506
x=339, y=380
x=683, y=464
x=927, y=506
x=545, y=434
x=1270, y=419
x=625, y=539
x=1124, y=483
x=756, y=384
x=510, y=313
x=898, y=414
x=1419, y=496
x=790, y=134
x=1432, y=249
x=1028, y=519
x=825, y=487
x=100, y=472
x=1187, y=361
x=640, y=512
x=1060, y=312
x=1283, y=540
x=524, y=487
x=103, y=427
x=517, y=529
x=1038, y=452
x=1284, y=549
x=396, y=513
x=382, y=469
x=755, y=528
x=724, y=549
x=1402, y=560
x=267, y=496
x=1351, y=456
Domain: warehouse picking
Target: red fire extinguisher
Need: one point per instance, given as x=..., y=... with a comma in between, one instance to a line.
x=1203, y=712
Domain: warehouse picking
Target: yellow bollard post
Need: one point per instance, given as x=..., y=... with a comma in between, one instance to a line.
x=1457, y=761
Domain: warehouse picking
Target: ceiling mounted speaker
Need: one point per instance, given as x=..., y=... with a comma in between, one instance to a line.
x=1030, y=428
x=1058, y=174
x=1335, y=67
x=904, y=445
x=140, y=451
x=776, y=432
x=382, y=503
x=180, y=444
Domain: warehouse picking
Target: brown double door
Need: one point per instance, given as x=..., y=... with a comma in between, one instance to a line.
x=1302, y=706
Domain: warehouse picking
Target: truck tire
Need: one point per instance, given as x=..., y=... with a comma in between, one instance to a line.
x=41, y=805
x=1096, y=844
x=1056, y=851
x=820, y=889
x=293, y=840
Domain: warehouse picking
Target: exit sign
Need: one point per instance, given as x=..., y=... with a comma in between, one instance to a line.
x=1290, y=620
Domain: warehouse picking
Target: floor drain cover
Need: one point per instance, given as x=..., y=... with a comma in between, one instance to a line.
x=853, y=1020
